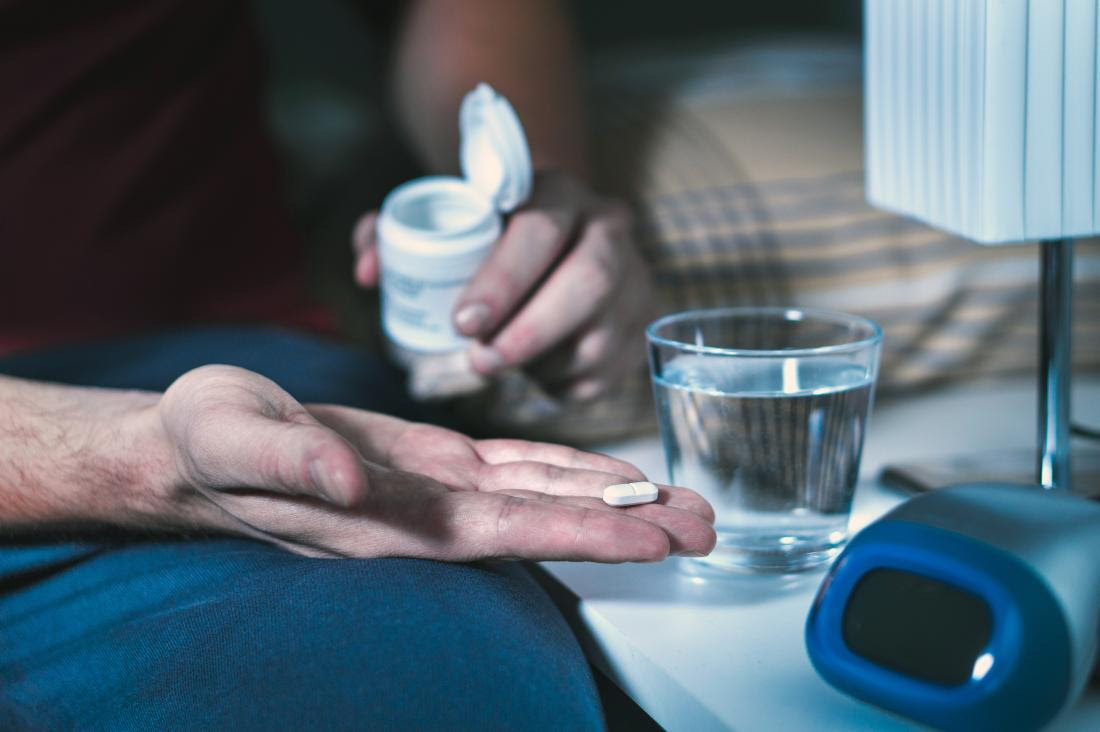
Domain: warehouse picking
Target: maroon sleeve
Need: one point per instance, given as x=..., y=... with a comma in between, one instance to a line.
x=138, y=187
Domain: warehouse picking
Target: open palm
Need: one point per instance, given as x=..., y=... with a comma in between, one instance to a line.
x=336, y=481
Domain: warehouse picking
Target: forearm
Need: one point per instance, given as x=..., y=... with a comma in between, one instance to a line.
x=72, y=456
x=524, y=49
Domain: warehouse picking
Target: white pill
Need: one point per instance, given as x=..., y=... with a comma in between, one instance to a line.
x=629, y=494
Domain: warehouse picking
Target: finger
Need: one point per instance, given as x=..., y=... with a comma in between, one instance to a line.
x=362, y=235
x=627, y=355
x=533, y=241
x=586, y=390
x=584, y=353
x=558, y=481
x=455, y=526
x=507, y=451
x=612, y=344
x=597, y=377
x=552, y=528
x=373, y=433
x=591, y=385
x=364, y=245
x=411, y=515
x=443, y=454
x=688, y=533
x=580, y=286
x=684, y=533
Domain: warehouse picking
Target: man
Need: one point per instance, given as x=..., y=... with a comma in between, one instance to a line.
x=163, y=517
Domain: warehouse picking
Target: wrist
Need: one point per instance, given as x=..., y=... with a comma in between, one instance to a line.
x=144, y=481
x=73, y=456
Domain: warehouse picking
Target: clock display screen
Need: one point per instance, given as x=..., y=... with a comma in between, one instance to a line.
x=917, y=626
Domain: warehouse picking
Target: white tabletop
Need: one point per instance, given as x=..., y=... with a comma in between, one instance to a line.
x=729, y=653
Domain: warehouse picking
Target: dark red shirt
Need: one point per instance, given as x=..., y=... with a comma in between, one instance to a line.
x=138, y=187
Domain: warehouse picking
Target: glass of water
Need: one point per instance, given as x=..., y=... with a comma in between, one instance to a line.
x=763, y=410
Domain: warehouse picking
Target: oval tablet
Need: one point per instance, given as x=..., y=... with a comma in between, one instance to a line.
x=630, y=494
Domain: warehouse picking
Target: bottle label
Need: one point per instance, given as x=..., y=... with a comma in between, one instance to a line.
x=416, y=312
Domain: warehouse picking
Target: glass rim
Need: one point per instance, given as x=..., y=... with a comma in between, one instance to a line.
x=820, y=313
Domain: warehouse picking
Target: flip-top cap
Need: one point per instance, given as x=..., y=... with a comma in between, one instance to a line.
x=494, y=154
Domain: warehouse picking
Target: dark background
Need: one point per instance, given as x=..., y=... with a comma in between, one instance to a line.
x=341, y=151
x=618, y=22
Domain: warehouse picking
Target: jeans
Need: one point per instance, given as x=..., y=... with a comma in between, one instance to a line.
x=129, y=632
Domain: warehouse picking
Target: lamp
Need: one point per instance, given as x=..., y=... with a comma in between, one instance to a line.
x=982, y=118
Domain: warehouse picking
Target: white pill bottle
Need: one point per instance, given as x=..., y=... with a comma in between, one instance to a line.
x=434, y=232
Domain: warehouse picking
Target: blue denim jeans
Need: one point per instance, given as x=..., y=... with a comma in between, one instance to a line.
x=128, y=632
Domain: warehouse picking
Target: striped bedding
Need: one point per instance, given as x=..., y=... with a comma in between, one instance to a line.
x=759, y=199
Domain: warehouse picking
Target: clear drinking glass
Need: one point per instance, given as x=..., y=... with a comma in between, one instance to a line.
x=763, y=410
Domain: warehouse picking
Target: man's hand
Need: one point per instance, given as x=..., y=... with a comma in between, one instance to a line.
x=564, y=292
x=240, y=455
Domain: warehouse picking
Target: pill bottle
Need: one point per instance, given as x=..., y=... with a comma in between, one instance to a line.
x=434, y=232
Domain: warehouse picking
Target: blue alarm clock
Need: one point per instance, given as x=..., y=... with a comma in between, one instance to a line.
x=972, y=608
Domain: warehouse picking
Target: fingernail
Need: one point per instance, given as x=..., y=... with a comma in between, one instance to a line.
x=693, y=554
x=471, y=319
x=485, y=359
x=325, y=483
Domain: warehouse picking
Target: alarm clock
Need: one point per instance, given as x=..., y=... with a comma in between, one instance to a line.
x=972, y=608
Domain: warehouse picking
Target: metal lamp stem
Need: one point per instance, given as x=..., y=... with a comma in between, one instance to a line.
x=1055, y=360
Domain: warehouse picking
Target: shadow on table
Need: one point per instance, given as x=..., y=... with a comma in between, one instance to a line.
x=666, y=582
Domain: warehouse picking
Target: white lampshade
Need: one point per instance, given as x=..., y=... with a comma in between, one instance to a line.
x=981, y=116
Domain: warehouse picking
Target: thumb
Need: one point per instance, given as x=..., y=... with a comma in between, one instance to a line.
x=299, y=456
x=235, y=429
